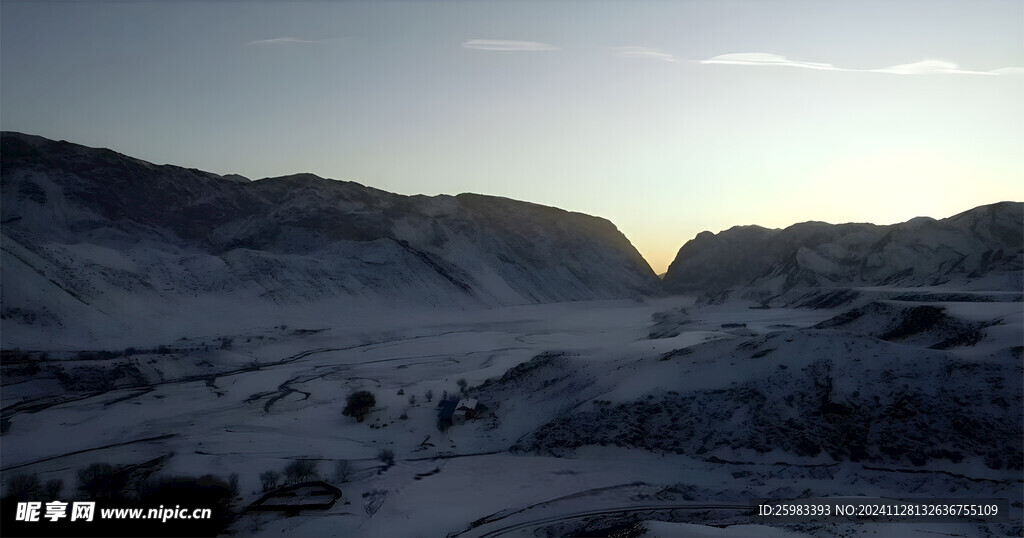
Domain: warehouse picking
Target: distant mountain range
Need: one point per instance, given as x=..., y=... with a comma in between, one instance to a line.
x=979, y=249
x=97, y=245
x=94, y=239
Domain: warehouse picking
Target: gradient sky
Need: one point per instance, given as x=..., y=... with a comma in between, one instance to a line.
x=667, y=118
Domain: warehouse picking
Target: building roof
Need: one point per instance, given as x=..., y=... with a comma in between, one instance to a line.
x=467, y=403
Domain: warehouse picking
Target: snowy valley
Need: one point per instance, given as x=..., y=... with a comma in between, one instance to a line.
x=174, y=322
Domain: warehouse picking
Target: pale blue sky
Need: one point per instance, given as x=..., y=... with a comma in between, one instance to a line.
x=668, y=118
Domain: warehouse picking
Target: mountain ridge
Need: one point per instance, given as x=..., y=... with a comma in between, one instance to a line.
x=978, y=248
x=88, y=231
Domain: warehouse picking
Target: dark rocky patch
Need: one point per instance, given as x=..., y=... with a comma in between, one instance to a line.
x=826, y=299
x=803, y=412
x=925, y=325
x=668, y=324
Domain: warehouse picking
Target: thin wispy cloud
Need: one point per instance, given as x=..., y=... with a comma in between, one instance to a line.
x=643, y=53
x=506, y=45
x=280, y=41
x=763, y=58
x=1019, y=71
x=923, y=67
x=929, y=67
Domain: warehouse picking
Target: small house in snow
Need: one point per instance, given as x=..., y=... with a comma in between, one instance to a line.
x=464, y=410
x=316, y=495
x=452, y=411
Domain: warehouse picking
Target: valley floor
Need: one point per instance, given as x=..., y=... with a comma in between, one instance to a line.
x=540, y=460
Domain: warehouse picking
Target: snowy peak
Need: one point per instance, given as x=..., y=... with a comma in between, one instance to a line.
x=982, y=248
x=102, y=226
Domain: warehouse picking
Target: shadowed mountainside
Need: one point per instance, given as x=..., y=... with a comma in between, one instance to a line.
x=979, y=249
x=95, y=238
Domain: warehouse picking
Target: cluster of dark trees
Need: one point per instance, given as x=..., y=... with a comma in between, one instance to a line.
x=121, y=487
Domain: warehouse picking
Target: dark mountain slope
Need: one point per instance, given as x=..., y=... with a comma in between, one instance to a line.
x=88, y=232
x=979, y=249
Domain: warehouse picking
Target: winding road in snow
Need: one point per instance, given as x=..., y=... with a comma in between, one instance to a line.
x=650, y=510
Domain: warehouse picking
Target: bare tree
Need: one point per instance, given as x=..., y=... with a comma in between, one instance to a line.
x=300, y=471
x=387, y=456
x=233, y=484
x=342, y=470
x=269, y=479
x=53, y=488
x=25, y=487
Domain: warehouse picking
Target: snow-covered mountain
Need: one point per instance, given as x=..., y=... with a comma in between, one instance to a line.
x=97, y=244
x=174, y=322
x=979, y=249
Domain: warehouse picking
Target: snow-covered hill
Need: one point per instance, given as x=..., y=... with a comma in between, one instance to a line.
x=607, y=425
x=98, y=246
x=176, y=322
x=979, y=249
